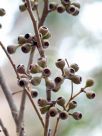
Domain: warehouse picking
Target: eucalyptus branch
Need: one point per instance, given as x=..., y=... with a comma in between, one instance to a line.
x=56, y=126
x=4, y=129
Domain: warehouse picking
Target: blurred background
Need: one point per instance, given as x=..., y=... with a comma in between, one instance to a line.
x=79, y=40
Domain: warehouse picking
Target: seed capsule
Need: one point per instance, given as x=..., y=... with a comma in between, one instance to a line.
x=89, y=83
x=77, y=115
x=42, y=102
x=23, y=82
x=63, y=115
x=52, y=6
x=65, y=2
x=26, y=48
x=61, y=101
x=34, y=93
x=45, y=109
x=59, y=80
x=22, y=7
x=53, y=111
x=76, y=4
x=43, y=30
x=46, y=72
x=75, y=67
x=49, y=84
x=21, y=39
x=60, y=8
x=2, y=12
x=12, y=49
x=36, y=80
x=45, y=43
x=90, y=95
x=71, y=9
x=68, y=72
x=60, y=63
x=34, y=68
x=56, y=88
x=76, y=79
x=42, y=62
x=72, y=105
x=21, y=69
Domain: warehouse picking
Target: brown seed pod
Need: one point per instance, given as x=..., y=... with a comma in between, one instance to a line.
x=68, y=72
x=49, y=84
x=90, y=95
x=45, y=109
x=76, y=4
x=65, y=2
x=76, y=79
x=42, y=62
x=75, y=67
x=34, y=68
x=22, y=7
x=71, y=9
x=26, y=48
x=77, y=115
x=53, y=111
x=59, y=80
x=23, y=82
x=12, y=49
x=89, y=83
x=60, y=8
x=60, y=63
x=56, y=88
x=2, y=12
x=72, y=105
x=63, y=115
x=45, y=43
x=46, y=72
x=34, y=93
x=43, y=30
x=21, y=39
x=36, y=81
x=61, y=101
x=52, y=6
x=21, y=69
x=42, y=102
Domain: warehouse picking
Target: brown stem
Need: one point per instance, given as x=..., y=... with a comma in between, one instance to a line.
x=3, y=128
x=56, y=126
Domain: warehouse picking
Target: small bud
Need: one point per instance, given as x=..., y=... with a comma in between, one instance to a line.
x=49, y=84
x=42, y=102
x=36, y=80
x=61, y=101
x=42, y=62
x=11, y=49
x=68, y=72
x=52, y=6
x=34, y=68
x=46, y=72
x=23, y=82
x=21, y=39
x=77, y=115
x=2, y=12
x=21, y=69
x=45, y=43
x=43, y=30
x=89, y=83
x=22, y=7
x=76, y=79
x=45, y=109
x=59, y=80
x=53, y=111
x=75, y=67
x=56, y=88
x=34, y=93
x=90, y=95
x=63, y=115
x=72, y=105
x=26, y=48
x=60, y=8
x=76, y=4
x=60, y=63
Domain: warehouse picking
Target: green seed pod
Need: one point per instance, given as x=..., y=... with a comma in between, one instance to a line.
x=72, y=105
x=76, y=79
x=49, y=84
x=56, y=88
x=60, y=8
x=36, y=80
x=76, y=4
x=22, y=7
x=34, y=68
x=75, y=67
x=63, y=115
x=68, y=72
x=21, y=69
x=34, y=93
x=45, y=109
x=89, y=83
x=77, y=115
x=45, y=43
x=60, y=63
x=47, y=35
x=52, y=6
x=71, y=9
x=21, y=39
x=43, y=30
x=61, y=101
x=53, y=111
x=42, y=62
x=90, y=95
x=12, y=49
x=23, y=82
x=42, y=102
x=26, y=48
x=59, y=80
x=46, y=72
x=2, y=12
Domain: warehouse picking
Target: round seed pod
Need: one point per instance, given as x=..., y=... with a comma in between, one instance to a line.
x=75, y=67
x=36, y=80
x=22, y=7
x=53, y=111
x=42, y=62
x=59, y=80
x=45, y=43
x=68, y=72
x=72, y=105
x=56, y=88
x=34, y=68
x=77, y=115
x=12, y=49
x=26, y=48
x=76, y=79
x=71, y=9
x=45, y=109
x=46, y=72
x=63, y=115
x=21, y=69
x=42, y=102
x=60, y=63
x=21, y=39
x=61, y=101
x=49, y=84
x=90, y=95
x=76, y=4
x=65, y=2
x=2, y=12
x=52, y=6
x=76, y=12
x=43, y=30
x=60, y=8
x=47, y=35
x=89, y=83
x=34, y=93
x=23, y=82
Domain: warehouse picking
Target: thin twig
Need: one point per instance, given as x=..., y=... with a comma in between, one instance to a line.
x=56, y=126
x=9, y=97
x=3, y=128
x=13, y=65
x=16, y=92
